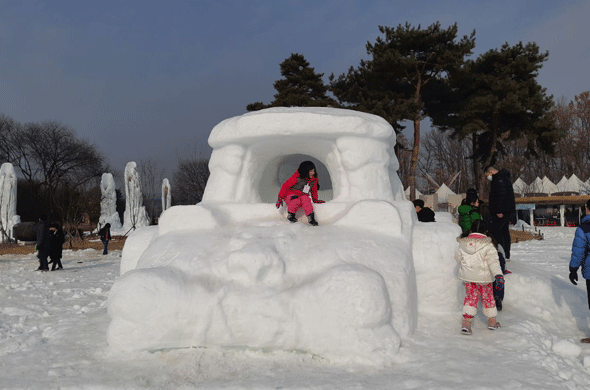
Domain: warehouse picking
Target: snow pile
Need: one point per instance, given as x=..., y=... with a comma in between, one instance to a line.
x=108, y=203
x=135, y=215
x=231, y=271
x=8, y=216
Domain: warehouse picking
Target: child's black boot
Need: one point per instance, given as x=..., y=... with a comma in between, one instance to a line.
x=291, y=217
x=311, y=219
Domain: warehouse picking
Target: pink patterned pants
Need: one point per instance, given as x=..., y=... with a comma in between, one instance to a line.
x=304, y=201
x=472, y=293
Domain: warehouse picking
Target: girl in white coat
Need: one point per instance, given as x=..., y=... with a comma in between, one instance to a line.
x=478, y=268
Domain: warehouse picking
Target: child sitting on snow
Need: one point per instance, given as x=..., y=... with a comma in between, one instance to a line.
x=479, y=266
x=300, y=190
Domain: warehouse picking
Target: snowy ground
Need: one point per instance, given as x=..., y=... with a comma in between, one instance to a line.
x=53, y=325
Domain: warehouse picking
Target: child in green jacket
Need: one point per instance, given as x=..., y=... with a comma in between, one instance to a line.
x=469, y=211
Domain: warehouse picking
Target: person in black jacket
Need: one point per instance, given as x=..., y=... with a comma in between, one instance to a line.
x=425, y=214
x=105, y=237
x=501, y=206
x=56, y=242
x=42, y=243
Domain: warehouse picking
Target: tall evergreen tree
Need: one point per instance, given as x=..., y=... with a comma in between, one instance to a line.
x=300, y=87
x=407, y=64
x=497, y=99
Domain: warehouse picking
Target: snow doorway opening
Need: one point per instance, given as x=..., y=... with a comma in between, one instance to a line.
x=281, y=168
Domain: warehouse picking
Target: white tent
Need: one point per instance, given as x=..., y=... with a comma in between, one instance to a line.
x=443, y=193
x=562, y=184
x=519, y=186
x=407, y=192
x=548, y=186
x=574, y=184
x=536, y=186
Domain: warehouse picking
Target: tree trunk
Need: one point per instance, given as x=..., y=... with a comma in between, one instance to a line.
x=414, y=159
x=475, y=167
x=488, y=159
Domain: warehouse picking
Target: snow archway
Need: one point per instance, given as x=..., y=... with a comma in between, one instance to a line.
x=355, y=148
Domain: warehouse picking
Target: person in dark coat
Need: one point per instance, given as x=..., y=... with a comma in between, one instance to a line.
x=43, y=243
x=56, y=242
x=501, y=206
x=581, y=255
x=105, y=237
x=425, y=214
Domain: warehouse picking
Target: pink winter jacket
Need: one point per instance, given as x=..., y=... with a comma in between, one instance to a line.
x=478, y=259
x=287, y=192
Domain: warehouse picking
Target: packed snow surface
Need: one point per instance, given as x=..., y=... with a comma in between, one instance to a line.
x=53, y=335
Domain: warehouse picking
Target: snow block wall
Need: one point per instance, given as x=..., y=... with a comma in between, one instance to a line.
x=232, y=272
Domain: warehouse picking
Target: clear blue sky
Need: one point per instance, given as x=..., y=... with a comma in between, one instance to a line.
x=145, y=80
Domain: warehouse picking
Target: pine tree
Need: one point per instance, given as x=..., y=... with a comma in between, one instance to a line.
x=300, y=87
x=497, y=99
x=406, y=65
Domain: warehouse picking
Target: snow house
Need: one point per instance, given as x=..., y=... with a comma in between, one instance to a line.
x=232, y=272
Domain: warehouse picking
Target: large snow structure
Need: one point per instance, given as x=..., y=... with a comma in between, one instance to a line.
x=232, y=272
x=135, y=215
x=8, y=216
x=108, y=203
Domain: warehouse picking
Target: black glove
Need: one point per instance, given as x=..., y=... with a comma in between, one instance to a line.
x=499, y=282
x=574, y=276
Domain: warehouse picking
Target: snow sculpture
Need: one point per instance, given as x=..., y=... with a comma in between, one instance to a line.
x=135, y=215
x=231, y=271
x=166, y=195
x=8, y=217
x=108, y=203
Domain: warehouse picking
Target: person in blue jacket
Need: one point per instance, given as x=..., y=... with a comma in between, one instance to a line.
x=581, y=255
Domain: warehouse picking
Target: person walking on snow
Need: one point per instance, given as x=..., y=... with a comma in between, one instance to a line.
x=581, y=255
x=478, y=268
x=501, y=206
x=105, y=237
x=471, y=210
x=301, y=190
x=43, y=243
x=56, y=242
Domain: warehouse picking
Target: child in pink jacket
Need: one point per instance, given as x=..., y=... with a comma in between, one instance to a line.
x=479, y=267
x=301, y=190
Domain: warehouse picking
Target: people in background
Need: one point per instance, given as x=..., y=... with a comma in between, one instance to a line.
x=105, y=237
x=43, y=243
x=56, y=242
x=501, y=206
x=425, y=214
x=469, y=211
